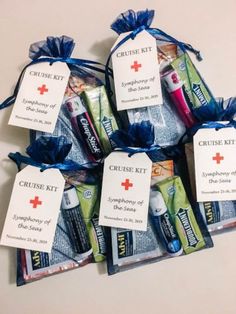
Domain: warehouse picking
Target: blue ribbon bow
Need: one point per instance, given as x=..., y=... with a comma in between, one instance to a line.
x=49, y=152
x=131, y=21
x=211, y=117
x=140, y=139
x=135, y=22
x=210, y=125
x=54, y=49
x=219, y=110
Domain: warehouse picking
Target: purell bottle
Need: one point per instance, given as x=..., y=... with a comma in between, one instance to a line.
x=76, y=227
x=175, y=87
x=167, y=53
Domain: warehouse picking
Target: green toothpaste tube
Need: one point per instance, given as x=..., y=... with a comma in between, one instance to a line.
x=197, y=91
x=101, y=113
x=89, y=196
x=176, y=200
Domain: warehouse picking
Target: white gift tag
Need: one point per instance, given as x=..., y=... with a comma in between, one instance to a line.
x=125, y=191
x=33, y=210
x=40, y=96
x=136, y=72
x=215, y=170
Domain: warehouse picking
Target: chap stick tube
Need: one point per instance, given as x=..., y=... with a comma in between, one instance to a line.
x=83, y=126
x=76, y=227
x=174, y=86
x=100, y=110
x=164, y=225
x=182, y=214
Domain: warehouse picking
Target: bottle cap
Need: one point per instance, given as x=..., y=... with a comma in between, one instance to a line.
x=156, y=203
x=75, y=106
x=70, y=198
x=172, y=81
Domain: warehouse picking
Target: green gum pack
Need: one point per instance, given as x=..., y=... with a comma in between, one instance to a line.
x=103, y=118
x=196, y=89
x=181, y=211
x=89, y=196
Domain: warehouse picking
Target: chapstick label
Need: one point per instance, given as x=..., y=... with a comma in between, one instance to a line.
x=33, y=210
x=125, y=191
x=215, y=168
x=136, y=72
x=40, y=96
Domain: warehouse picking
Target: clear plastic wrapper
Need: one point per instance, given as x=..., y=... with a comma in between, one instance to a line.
x=34, y=265
x=165, y=236
x=168, y=127
x=129, y=248
x=79, y=81
x=180, y=79
x=78, y=238
x=219, y=216
x=74, y=247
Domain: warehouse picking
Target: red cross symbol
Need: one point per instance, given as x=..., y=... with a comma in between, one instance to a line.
x=218, y=158
x=35, y=202
x=127, y=184
x=136, y=66
x=43, y=89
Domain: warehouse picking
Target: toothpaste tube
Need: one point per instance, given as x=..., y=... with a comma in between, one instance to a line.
x=104, y=121
x=196, y=89
x=164, y=225
x=182, y=214
x=83, y=126
x=175, y=88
